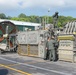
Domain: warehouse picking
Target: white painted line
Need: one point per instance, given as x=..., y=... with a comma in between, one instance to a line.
x=54, y=71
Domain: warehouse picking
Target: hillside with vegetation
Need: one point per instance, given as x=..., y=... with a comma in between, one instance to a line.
x=38, y=19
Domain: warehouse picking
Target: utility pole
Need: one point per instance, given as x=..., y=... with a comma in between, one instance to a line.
x=48, y=16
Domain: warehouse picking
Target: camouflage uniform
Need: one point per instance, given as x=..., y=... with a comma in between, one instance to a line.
x=51, y=48
x=46, y=52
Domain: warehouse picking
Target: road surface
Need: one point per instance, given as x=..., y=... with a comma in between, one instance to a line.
x=13, y=64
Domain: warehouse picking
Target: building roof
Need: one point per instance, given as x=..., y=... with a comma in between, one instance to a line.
x=21, y=23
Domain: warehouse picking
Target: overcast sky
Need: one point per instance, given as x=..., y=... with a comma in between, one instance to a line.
x=38, y=7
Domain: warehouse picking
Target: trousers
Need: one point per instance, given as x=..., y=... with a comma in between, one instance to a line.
x=46, y=55
x=52, y=54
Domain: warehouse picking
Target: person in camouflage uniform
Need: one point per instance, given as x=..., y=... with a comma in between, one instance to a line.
x=51, y=47
x=46, y=55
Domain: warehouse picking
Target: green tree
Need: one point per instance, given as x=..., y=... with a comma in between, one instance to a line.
x=9, y=17
x=2, y=16
x=62, y=20
x=59, y=24
x=33, y=19
x=15, y=18
x=22, y=15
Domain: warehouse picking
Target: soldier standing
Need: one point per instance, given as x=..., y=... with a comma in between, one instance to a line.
x=51, y=48
x=46, y=55
x=55, y=20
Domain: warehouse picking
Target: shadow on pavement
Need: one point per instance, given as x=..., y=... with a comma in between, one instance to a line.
x=3, y=71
